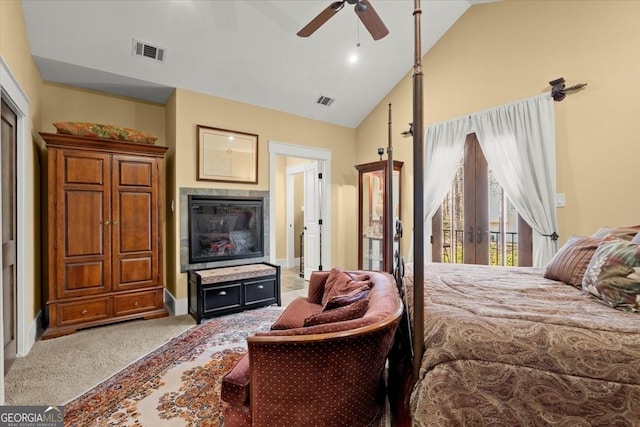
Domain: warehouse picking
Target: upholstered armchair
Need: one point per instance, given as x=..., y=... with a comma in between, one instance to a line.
x=323, y=375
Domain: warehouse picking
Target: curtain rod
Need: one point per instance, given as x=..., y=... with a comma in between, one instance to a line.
x=558, y=91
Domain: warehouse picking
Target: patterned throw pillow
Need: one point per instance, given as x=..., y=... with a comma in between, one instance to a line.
x=348, y=312
x=613, y=274
x=95, y=130
x=342, y=300
x=570, y=262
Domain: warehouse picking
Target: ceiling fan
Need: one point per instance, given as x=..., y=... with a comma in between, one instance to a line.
x=363, y=9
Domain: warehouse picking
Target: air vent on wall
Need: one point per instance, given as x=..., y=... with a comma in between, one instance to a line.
x=325, y=100
x=145, y=50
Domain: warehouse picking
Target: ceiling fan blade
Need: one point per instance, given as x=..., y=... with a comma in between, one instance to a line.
x=371, y=20
x=322, y=17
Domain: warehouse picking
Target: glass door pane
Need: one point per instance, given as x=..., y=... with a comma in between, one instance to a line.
x=372, y=220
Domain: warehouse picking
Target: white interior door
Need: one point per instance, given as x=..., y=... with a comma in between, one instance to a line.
x=311, y=219
x=295, y=215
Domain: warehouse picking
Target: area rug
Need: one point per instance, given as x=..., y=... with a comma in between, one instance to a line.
x=177, y=384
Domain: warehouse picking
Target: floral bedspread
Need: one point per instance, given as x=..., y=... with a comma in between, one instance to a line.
x=505, y=346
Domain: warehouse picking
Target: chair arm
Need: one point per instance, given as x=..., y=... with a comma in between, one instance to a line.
x=235, y=383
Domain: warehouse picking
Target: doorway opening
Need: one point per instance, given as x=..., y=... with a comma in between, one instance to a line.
x=315, y=166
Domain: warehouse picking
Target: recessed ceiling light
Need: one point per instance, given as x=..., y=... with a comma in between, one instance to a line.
x=353, y=59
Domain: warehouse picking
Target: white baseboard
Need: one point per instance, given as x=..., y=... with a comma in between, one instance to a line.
x=177, y=307
x=285, y=263
x=34, y=331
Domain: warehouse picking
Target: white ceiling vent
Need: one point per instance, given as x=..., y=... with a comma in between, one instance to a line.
x=325, y=100
x=145, y=50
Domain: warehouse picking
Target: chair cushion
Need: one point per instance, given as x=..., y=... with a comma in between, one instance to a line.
x=295, y=313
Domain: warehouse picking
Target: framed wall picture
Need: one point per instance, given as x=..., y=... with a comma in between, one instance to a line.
x=227, y=155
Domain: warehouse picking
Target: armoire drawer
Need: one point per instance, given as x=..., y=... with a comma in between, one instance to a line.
x=137, y=302
x=84, y=311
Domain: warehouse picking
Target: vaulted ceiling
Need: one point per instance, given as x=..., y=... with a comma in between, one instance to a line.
x=244, y=50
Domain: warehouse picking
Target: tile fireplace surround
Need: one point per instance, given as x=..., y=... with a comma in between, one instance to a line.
x=184, y=226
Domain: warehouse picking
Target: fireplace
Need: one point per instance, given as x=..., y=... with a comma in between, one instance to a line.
x=225, y=228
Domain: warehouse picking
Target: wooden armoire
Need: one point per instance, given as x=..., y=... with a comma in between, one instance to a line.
x=102, y=225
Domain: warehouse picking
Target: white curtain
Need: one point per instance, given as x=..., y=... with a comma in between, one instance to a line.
x=444, y=143
x=518, y=141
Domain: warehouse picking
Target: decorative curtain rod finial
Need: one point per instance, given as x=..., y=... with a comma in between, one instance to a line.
x=408, y=133
x=558, y=90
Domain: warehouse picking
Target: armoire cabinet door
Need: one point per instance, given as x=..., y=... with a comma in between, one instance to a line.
x=134, y=222
x=83, y=235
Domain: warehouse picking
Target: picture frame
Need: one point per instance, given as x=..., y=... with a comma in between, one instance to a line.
x=227, y=155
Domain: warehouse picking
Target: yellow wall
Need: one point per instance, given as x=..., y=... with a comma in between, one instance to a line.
x=501, y=52
x=14, y=48
x=198, y=109
x=62, y=103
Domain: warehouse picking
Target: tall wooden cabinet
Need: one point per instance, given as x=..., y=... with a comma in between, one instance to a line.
x=103, y=258
x=372, y=208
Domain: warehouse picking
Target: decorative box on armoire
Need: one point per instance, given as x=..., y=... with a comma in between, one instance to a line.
x=102, y=230
x=372, y=208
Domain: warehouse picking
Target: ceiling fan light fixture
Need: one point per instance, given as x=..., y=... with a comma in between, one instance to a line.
x=363, y=9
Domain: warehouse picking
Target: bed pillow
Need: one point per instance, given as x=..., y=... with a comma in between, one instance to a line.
x=613, y=274
x=96, y=130
x=570, y=262
x=348, y=312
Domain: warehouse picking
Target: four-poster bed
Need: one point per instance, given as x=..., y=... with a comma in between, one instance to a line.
x=510, y=345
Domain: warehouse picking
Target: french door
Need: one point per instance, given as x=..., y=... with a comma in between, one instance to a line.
x=476, y=223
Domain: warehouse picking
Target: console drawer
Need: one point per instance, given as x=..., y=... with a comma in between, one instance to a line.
x=259, y=291
x=224, y=297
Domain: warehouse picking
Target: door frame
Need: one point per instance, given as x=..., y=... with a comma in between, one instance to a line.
x=323, y=157
x=15, y=97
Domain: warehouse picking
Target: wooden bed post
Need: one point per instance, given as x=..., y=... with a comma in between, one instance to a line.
x=418, y=202
x=389, y=236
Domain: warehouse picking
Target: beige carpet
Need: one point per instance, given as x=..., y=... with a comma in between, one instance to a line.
x=60, y=369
